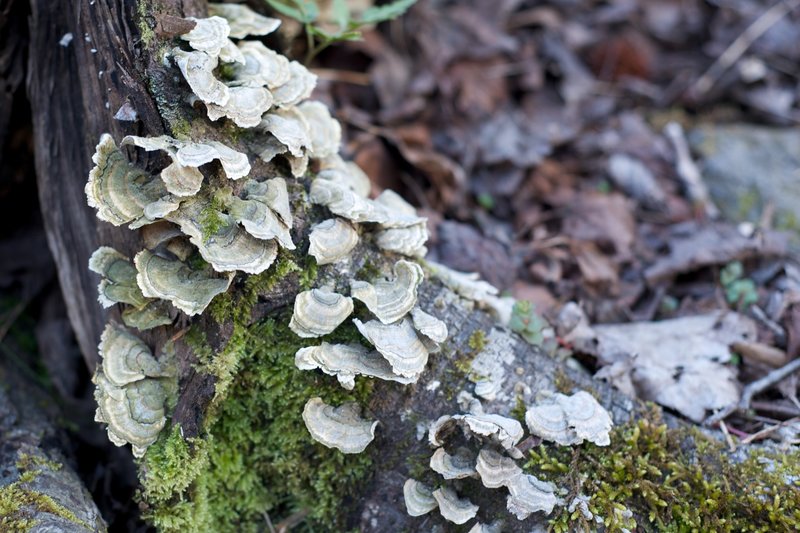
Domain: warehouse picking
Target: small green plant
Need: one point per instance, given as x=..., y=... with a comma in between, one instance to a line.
x=527, y=323
x=739, y=291
x=348, y=28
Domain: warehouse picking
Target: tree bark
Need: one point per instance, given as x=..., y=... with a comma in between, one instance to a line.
x=75, y=87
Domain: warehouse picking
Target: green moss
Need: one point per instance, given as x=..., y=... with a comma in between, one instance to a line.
x=259, y=456
x=562, y=382
x=18, y=503
x=181, y=128
x=368, y=271
x=144, y=10
x=477, y=341
x=668, y=485
x=211, y=220
x=309, y=274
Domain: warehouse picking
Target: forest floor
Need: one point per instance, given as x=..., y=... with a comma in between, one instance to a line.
x=641, y=159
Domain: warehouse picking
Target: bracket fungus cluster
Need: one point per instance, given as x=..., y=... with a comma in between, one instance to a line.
x=494, y=463
x=569, y=420
x=186, y=262
x=131, y=389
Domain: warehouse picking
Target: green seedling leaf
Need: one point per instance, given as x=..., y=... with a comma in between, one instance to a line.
x=389, y=11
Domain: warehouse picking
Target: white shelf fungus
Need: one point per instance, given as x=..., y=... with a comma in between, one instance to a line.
x=262, y=68
x=398, y=343
x=429, y=326
x=569, y=420
x=454, y=509
x=332, y=240
x=190, y=290
x=458, y=466
x=391, y=300
x=505, y=431
x=243, y=21
x=120, y=192
x=418, y=497
x=496, y=470
x=119, y=278
x=256, y=212
x=118, y=285
x=198, y=70
x=209, y=35
x=408, y=241
x=346, y=361
x=318, y=312
x=347, y=173
x=290, y=127
x=300, y=85
x=230, y=247
x=244, y=107
x=130, y=397
x=342, y=201
x=528, y=494
x=338, y=427
x=326, y=132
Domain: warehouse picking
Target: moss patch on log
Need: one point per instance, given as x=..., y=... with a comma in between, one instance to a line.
x=19, y=503
x=256, y=458
x=653, y=477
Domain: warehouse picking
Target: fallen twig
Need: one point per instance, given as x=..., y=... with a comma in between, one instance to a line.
x=688, y=172
x=756, y=387
x=739, y=46
x=768, y=430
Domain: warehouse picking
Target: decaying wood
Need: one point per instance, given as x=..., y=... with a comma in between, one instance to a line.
x=75, y=90
x=30, y=445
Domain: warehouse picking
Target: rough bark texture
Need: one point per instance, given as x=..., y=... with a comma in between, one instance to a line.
x=34, y=479
x=75, y=90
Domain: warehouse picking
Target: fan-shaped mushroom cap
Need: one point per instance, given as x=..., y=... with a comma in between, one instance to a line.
x=569, y=420
x=125, y=357
x=506, y=431
x=389, y=301
x=244, y=107
x=195, y=154
x=326, y=132
x=457, y=466
x=528, y=495
x=338, y=427
x=332, y=240
x=408, y=241
x=262, y=68
x=290, y=127
x=230, y=247
x=346, y=173
x=272, y=192
x=255, y=215
x=188, y=289
x=398, y=343
x=455, y=509
x=496, y=470
x=243, y=21
x=494, y=527
x=198, y=70
x=318, y=312
x=400, y=213
x=346, y=361
x=549, y=421
x=230, y=53
x=300, y=85
x=469, y=285
x=134, y=413
x=119, y=278
x=428, y=325
x=342, y=201
x=437, y=427
x=587, y=417
x=121, y=192
x=418, y=497
x=209, y=35
x=153, y=314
